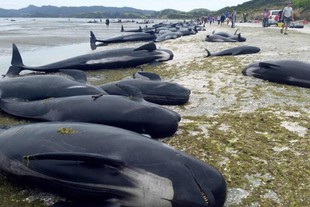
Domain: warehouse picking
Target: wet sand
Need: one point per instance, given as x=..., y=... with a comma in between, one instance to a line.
x=255, y=132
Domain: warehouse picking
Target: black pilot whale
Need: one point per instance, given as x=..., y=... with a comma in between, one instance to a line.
x=140, y=36
x=152, y=88
x=37, y=87
x=291, y=72
x=131, y=112
x=241, y=50
x=108, y=59
x=88, y=163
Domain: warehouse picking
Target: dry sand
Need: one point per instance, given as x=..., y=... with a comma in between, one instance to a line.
x=255, y=132
x=260, y=130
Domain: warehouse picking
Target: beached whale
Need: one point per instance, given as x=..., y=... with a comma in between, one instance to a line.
x=225, y=37
x=291, y=72
x=91, y=164
x=139, y=36
x=225, y=34
x=218, y=38
x=152, y=88
x=241, y=50
x=37, y=87
x=234, y=36
x=107, y=59
x=132, y=112
x=131, y=30
x=167, y=35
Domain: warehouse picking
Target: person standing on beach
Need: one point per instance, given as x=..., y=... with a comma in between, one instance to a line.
x=222, y=19
x=233, y=18
x=287, y=16
x=266, y=15
x=210, y=19
x=227, y=16
x=218, y=18
x=204, y=20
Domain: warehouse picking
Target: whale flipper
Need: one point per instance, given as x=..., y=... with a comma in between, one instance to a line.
x=133, y=92
x=77, y=75
x=89, y=158
x=86, y=204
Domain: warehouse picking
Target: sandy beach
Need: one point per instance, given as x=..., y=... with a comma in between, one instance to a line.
x=256, y=133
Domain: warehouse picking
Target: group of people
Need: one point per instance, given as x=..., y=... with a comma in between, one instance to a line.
x=221, y=19
x=285, y=16
x=231, y=17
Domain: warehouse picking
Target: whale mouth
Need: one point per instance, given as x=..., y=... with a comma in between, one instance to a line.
x=204, y=195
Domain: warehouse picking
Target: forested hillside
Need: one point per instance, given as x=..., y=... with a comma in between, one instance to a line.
x=253, y=8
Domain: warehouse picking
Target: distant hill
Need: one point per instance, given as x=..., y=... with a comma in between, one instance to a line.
x=84, y=11
x=254, y=8
x=100, y=12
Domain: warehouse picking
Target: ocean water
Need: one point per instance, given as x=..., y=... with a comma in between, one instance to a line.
x=45, y=40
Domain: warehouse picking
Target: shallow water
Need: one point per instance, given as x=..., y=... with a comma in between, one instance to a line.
x=46, y=40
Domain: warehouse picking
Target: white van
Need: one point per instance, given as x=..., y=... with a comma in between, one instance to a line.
x=273, y=14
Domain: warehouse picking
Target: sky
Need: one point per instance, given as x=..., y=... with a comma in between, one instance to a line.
x=181, y=5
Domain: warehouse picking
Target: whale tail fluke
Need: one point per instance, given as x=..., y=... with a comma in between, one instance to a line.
x=208, y=53
x=195, y=29
x=16, y=57
x=93, y=41
x=236, y=31
x=13, y=71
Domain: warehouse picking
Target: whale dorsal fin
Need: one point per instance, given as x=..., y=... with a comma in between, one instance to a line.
x=267, y=65
x=132, y=92
x=146, y=76
x=89, y=158
x=149, y=47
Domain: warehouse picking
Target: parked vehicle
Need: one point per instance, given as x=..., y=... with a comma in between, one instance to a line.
x=273, y=18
